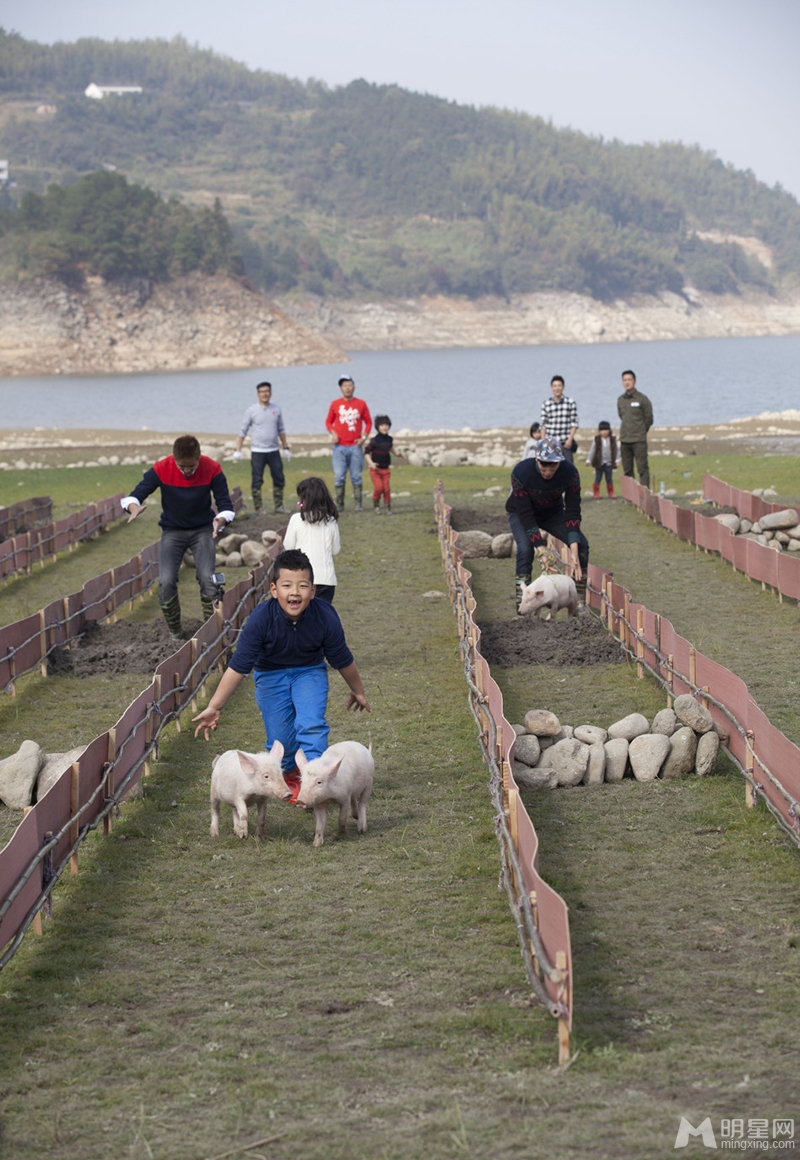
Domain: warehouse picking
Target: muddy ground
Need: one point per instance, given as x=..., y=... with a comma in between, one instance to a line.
x=581, y=640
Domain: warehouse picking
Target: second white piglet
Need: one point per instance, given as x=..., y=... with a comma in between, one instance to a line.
x=244, y=779
x=555, y=591
x=344, y=774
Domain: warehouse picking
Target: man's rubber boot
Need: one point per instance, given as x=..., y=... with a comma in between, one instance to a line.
x=611, y=491
x=596, y=490
x=172, y=614
x=580, y=586
x=257, y=503
x=520, y=583
x=207, y=605
x=277, y=498
x=376, y=506
x=340, y=498
x=388, y=507
x=357, y=496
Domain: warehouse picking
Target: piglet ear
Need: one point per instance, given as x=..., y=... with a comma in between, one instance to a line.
x=333, y=768
x=277, y=750
x=246, y=763
x=300, y=760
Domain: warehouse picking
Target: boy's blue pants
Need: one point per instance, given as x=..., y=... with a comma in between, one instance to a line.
x=293, y=704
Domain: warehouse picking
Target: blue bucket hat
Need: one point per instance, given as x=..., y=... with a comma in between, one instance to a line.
x=548, y=450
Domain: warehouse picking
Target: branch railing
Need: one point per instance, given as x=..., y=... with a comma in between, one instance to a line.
x=540, y=914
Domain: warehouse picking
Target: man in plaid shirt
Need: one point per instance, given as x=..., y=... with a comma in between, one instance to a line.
x=560, y=417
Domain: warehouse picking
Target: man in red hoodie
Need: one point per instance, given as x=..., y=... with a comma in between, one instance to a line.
x=348, y=423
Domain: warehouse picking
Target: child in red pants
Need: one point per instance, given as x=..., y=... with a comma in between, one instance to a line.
x=379, y=453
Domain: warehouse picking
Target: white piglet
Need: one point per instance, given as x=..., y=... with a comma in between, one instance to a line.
x=344, y=774
x=244, y=779
x=555, y=591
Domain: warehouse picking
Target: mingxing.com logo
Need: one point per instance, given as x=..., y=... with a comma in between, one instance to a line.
x=739, y=1134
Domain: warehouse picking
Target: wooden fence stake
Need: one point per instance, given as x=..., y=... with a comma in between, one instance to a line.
x=193, y=678
x=749, y=793
x=43, y=641
x=670, y=681
x=513, y=820
x=624, y=635
x=74, y=804
x=563, y=1025
x=692, y=667
x=176, y=680
x=535, y=913
x=37, y=918
x=640, y=643
x=111, y=753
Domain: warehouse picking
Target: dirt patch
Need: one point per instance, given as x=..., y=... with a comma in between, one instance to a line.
x=125, y=647
x=466, y=520
x=579, y=641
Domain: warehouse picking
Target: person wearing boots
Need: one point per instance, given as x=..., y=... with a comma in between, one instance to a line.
x=264, y=421
x=348, y=424
x=188, y=480
x=546, y=497
x=603, y=458
x=379, y=452
x=636, y=418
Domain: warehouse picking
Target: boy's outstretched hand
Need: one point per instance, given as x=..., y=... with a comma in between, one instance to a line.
x=358, y=702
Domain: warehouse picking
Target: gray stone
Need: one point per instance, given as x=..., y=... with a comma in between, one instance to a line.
x=774, y=521
x=233, y=560
x=569, y=758
x=546, y=742
x=756, y=528
x=782, y=539
x=18, y=775
x=745, y=526
x=55, y=764
x=690, y=712
x=794, y=533
x=501, y=545
x=269, y=537
x=776, y=545
x=595, y=770
x=252, y=553
x=542, y=722
x=474, y=545
x=590, y=734
x=527, y=749
x=541, y=778
x=729, y=520
x=518, y=730
x=634, y=725
x=231, y=543
x=616, y=758
x=793, y=546
x=722, y=733
x=451, y=457
x=665, y=722
x=707, y=751
x=647, y=753
x=565, y=733
x=682, y=750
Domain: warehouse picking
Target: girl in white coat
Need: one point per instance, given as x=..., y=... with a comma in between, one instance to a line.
x=315, y=531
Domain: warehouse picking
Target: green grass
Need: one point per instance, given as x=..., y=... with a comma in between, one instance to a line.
x=367, y=999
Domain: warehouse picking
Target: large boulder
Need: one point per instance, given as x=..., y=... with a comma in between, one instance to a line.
x=682, y=751
x=502, y=545
x=570, y=760
x=690, y=712
x=232, y=542
x=647, y=753
x=542, y=722
x=707, y=752
x=665, y=722
x=527, y=749
x=252, y=553
x=774, y=521
x=616, y=758
x=729, y=520
x=18, y=774
x=595, y=770
x=474, y=545
x=55, y=764
x=269, y=537
x=541, y=778
x=634, y=725
x=590, y=734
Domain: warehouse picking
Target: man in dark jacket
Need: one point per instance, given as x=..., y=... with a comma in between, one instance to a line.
x=187, y=480
x=546, y=497
x=635, y=420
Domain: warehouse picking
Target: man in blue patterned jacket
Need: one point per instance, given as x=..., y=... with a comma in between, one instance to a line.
x=546, y=497
x=187, y=480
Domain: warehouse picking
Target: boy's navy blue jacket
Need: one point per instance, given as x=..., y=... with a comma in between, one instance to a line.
x=533, y=498
x=186, y=503
x=270, y=640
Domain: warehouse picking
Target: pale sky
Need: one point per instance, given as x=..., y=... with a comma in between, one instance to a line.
x=723, y=74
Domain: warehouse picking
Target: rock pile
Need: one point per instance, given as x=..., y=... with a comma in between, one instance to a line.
x=476, y=544
x=680, y=741
x=778, y=530
x=239, y=551
x=27, y=775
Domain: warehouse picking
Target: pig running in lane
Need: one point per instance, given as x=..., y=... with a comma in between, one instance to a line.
x=344, y=775
x=555, y=591
x=245, y=779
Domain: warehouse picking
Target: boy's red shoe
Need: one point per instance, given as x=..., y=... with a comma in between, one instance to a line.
x=293, y=779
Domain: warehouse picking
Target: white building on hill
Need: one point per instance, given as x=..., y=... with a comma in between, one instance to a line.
x=97, y=92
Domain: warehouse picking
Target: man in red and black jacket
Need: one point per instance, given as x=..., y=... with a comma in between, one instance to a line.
x=187, y=480
x=546, y=497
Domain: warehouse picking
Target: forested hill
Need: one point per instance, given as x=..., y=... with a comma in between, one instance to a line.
x=371, y=190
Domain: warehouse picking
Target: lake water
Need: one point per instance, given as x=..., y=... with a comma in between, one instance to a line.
x=688, y=381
